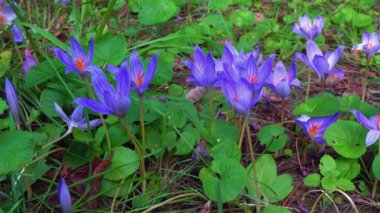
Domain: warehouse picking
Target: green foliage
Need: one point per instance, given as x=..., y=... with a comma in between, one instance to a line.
x=320, y=105
x=313, y=180
x=224, y=179
x=3, y=106
x=376, y=166
x=273, y=136
x=124, y=163
x=277, y=209
x=347, y=138
x=242, y=18
x=218, y=131
x=110, y=50
x=273, y=188
x=156, y=12
x=42, y=72
x=225, y=150
x=5, y=59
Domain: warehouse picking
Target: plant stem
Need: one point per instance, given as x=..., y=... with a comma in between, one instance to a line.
x=99, y=33
x=308, y=85
x=142, y=123
x=242, y=132
x=364, y=84
x=92, y=95
x=58, y=139
x=137, y=148
x=212, y=116
x=282, y=111
x=374, y=189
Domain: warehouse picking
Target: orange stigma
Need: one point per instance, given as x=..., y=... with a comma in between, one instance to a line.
x=2, y=19
x=79, y=63
x=252, y=78
x=139, y=79
x=313, y=130
x=378, y=121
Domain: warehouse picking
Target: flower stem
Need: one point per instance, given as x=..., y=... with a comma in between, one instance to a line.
x=308, y=85
x=282, y=111
x=374, y=189
x=92, y=95
x=364, y=84
x=210, y=104
x=137, y=148
x=58, y=139
x=242, y=132
x=142, y=123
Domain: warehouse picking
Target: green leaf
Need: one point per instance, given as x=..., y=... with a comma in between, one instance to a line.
x=109, y=188
x=124, y=163
x=347, y=138
x=16, y=149
x=225, y=150
x=221, y=131
x=313, y=180
x=154, y=140
x=156, y=12
x=274, y=188
x=273, y=137
x=110, y=49
x=320, y=105
x=77, y=155
x=362, y=20
x=186, y=143
x=366, y=4
x=348, y=168
x=275, y=209
x=176, y=117
x=327, y=166
x=242, y=18
x=329, y=183
x=226, y=174
x=3, y=106
x=345, y=185
x=376, y=166
x=46, y=35
x=164, y=73
x=118, y=135
x=48, y=96
x=343, y=15
x=42, y=72
x=5, y=59
x=219, y=5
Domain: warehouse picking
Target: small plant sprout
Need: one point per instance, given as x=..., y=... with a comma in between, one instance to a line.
x=76, y=61
x=64, y=196
x=307, y=28
x=315, y=127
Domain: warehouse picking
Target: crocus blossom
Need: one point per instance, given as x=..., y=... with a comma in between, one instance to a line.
x=201, y=151
x=241, y=95
x=76, y=119
x=280, y=81
x=29, y=61
x=77, y=60
x=141, y=80
x=63, y=2
x=373, y=124
x=322, y=64
x=203, y=72
x=17, y=34
x=370, y=44
x=12, y=100
x=114, y=102
x=7, y=15
x=64, y=196
x=307, y=28
x=315, y=127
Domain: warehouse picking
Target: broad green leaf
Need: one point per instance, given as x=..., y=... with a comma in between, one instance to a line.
x=3, y=106
x=219, y=5
x=275, y=209
x=376, y=166
x=42, y=72
x=348, y=168
x=154, y=140
x=221, y=131
x=186, y=143
x=77, y=155
x=343, y=15
x=48, y=96
x=109, y=188
x=329, y=183
x=227, y=175
x=273, y=136
x=164, y=72
x=327, y=166
x=313, y=180
x=124, y=163
x=362, y=20
x=242, y=18
x=5, y=59
x=347, y=138
x=225, y=150
x=345, y=185
x=110, y=50
x=118, y=135
x=366, y=4
x=156, y=12
x=16, y=149
x=176, y=117
x=82, y=136
x=320, y=105
x=273, y=188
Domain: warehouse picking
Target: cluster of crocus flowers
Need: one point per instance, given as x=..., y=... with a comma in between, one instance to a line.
x=308, y=28
x=373, y=124
x=370, y=44
x=315, y=127
x=76, y=60
x=321, y=64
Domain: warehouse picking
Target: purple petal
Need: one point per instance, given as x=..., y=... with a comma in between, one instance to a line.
x=227, y=56
x=372, y=137
x=283, y=89
x=61, y=114
x=136, y=68
x=252, y=69
x=364, y=121
x=199, y=57
x=76, y=50
x=64, y=196
x=338, y=73
x=17, y=34
x=93, y=105
x=296, y=29
x=101, y=84
x=63, y=57
x=93, y=124
x=12, y=100
x=9, y=14
x=112, y=68
x=29, y=61
x=150, y=70
x=321, y=65
x=77, y=114
x=90, y=51
x=312, y=50
x=333, y=58
x=123, y=82
x=279, y=73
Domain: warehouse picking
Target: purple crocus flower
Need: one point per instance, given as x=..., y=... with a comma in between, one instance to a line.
x=17, y=34
x=280, y=80
x=64, y=196
x=6, y=14
x=76, y=119
x=241, y=95
x=114, y=102
x=12, y=100
x=373, y=124
x=29, y=61
x=77, y=61
x=63, y=2
x=307, y=28
x=201, y=151
x=370, y=44
x=315, y=127
x=203, y=72
x=141, y=80
x=323, y=65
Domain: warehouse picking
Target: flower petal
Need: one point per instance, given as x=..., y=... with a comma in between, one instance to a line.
x=123, y=82
x=363, y=120
x=90, y=51
x=61, y=114
x=77, y=114
x=372, y=137
x=77, y=51
x=12, y=100
x=17, y=34
x=93, y=105
x=321, y=65
x=333, y=58
x=312, y=50
x=150, y=70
